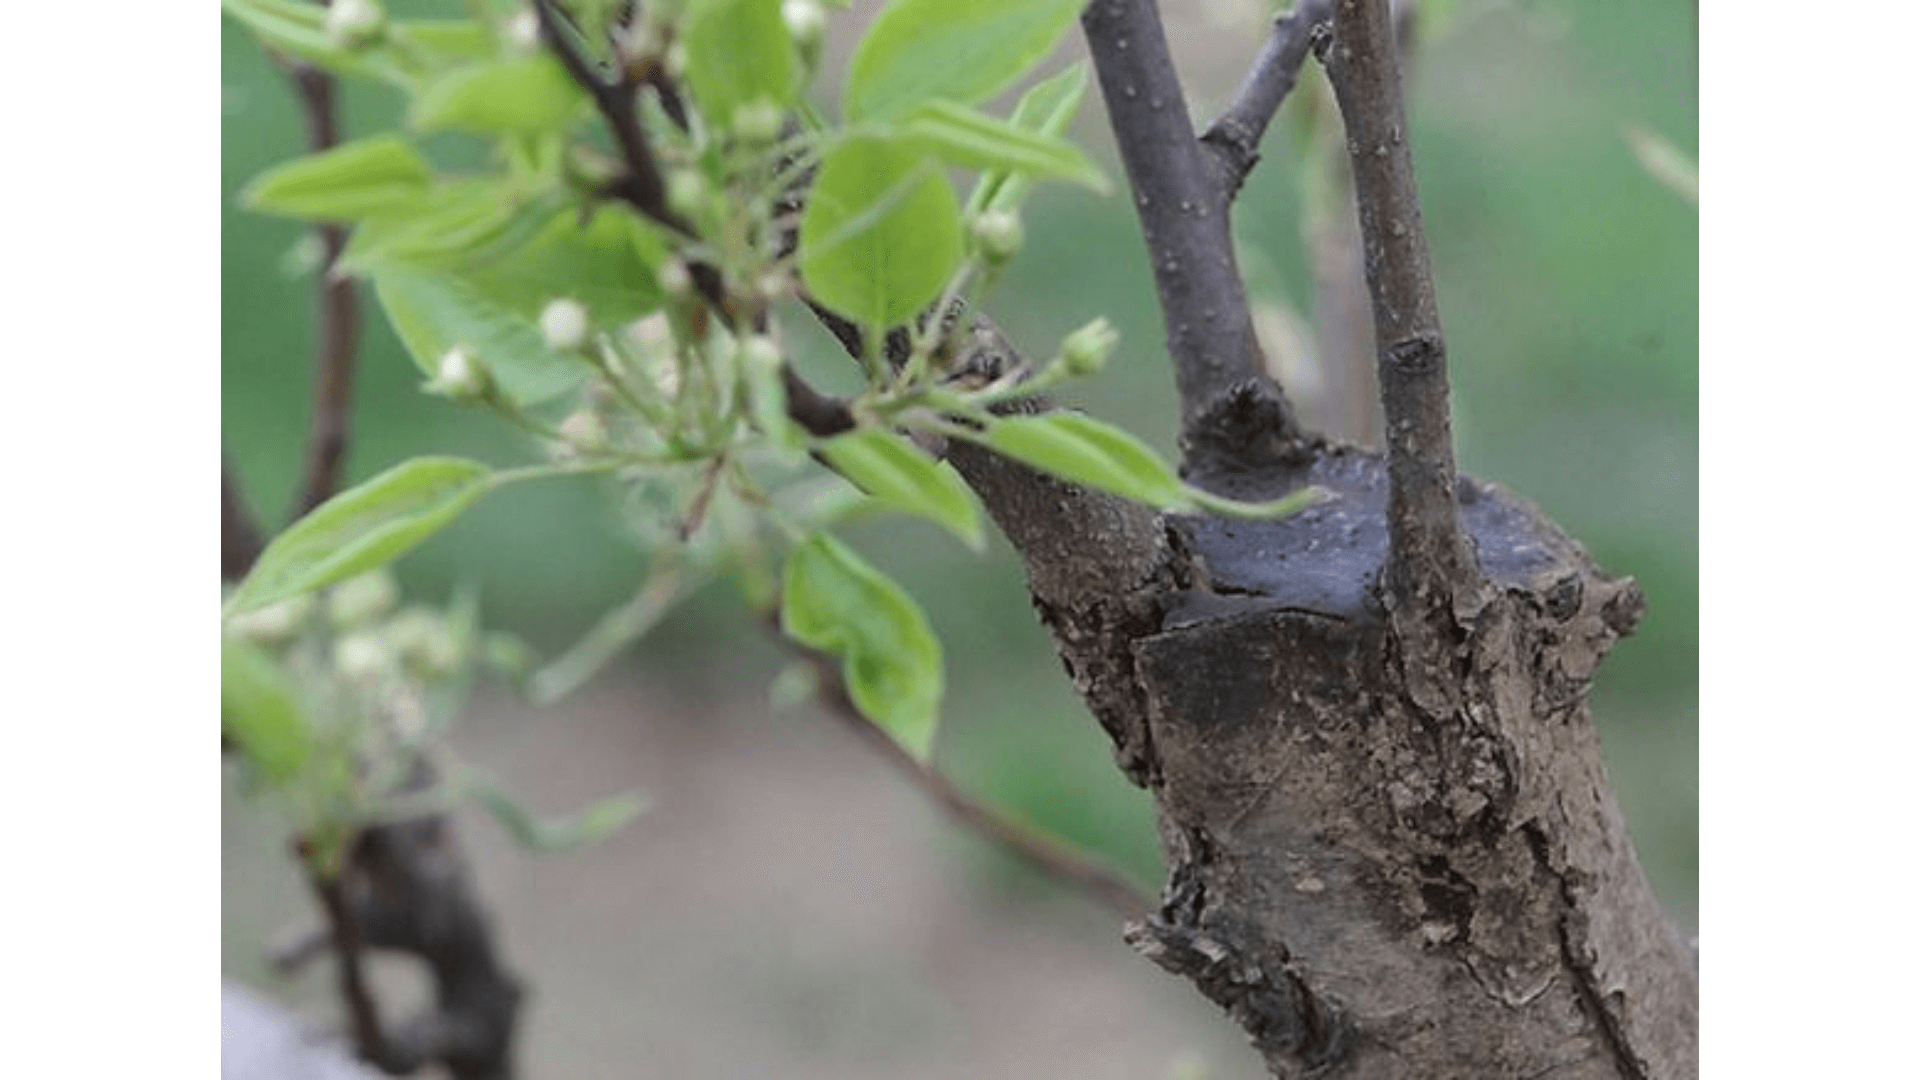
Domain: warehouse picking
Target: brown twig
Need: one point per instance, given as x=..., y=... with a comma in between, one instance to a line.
x=1182, y=210
x=1429, y=562
x=339, y=315
x=343, y=927
x=1233, y=139
x=1067, y=867
x=642, y=186
x=240, y=537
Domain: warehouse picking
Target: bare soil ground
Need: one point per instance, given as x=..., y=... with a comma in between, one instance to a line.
x=788, y=908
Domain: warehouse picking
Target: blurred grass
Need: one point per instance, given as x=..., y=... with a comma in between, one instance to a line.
x=1568, y=284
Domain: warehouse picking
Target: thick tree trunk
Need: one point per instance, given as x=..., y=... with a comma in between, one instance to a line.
x=1382, y=866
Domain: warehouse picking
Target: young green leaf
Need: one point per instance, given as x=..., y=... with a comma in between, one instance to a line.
x=528, y=96
x=434, y=311
x=834, y=601
x=739, y=53
x=473, y=219
x=893, y=470
x=443, y=43
x=881, y=233
x=299, y=29
x=382, y=175
x=363, y=528
x=1046, y=109
x=963, y=136
x=610, y=264
x=920, y=50
x=260, y=713
x=595, y=823
x=1086, y=451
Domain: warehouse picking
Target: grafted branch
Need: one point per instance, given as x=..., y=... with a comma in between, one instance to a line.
x=1429, y=566
x=1233, y=139
x=1181, y=206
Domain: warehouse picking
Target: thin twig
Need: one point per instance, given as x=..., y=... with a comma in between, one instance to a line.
x=642, y=186
x=1182, y=209
x=819, y=414
x=1429, y=561
x=1067, y=867
x=337, y=904
x=339, y=316
x=240, y=537
x=1233, y=139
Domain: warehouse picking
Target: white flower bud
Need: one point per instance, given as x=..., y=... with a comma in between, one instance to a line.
x=351, y=24
x=462, y=376
x=522, y=31
x=675, y=279
x=759, y=353
x=1086, y=350
x=358, y=601
x=274, y=623
x=757, y=122
x=424, y=642
x=362, y=658
x=583, y=432
x=687, y=192
x=999, y=234
x=563, y=323
x=805, y=20
x=773, y=286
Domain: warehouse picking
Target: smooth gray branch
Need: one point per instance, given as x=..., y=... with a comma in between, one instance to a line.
x=1233, y=139
x=1429, y=564
x=1181, y=206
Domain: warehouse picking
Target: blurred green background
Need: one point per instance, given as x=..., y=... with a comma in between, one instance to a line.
x=1567, y=280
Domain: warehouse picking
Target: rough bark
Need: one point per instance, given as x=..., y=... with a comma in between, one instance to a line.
x=1394, y=850
x=1371, y=888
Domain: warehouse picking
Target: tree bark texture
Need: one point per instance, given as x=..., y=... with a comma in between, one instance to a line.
x=1371, y=887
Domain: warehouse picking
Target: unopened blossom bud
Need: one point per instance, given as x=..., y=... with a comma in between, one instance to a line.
x=757, y=122
x=274, y=623
x=999, y=233
x=563, y=323
x=675, y=279
x=362, y=658
x=360, y=600
x=806, y=21
x=351, y=24
x=687, y=192
x=462, y=376
x=1086, y=350
x=583, y=432
x=759, y=353
x=522, y=31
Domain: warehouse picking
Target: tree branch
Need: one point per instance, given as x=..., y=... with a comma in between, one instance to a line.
x=1429, y=564
x=240, y=540
x=339, y=316
x=642, y=186
x=1181, y=206
x=343, y=927
x=1065, y=866
x=1233, y=139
